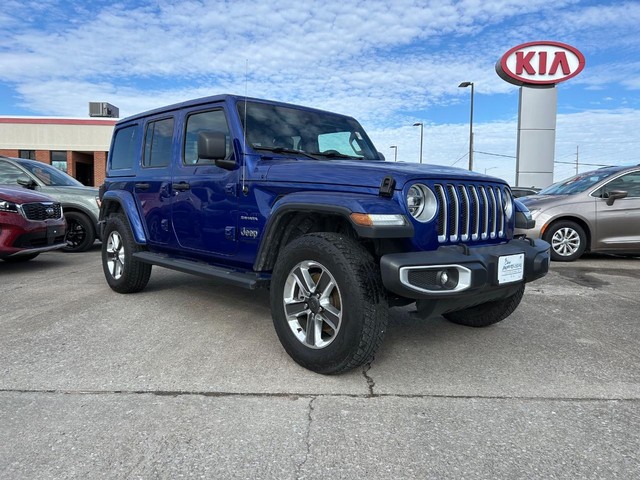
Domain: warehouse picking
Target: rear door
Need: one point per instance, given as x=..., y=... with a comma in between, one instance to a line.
x=152, y=184
x=205, y=202
x=618, y=225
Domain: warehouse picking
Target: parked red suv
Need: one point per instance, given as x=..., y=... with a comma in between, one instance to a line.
x=30, y=223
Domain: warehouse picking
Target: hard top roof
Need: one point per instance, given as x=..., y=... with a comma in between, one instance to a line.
x=212, y=99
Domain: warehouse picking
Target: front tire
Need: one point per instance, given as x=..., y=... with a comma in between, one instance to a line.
x=80, y=232
x=328, y=305
x=567, y=239
x=488, y=313
x=123, y=272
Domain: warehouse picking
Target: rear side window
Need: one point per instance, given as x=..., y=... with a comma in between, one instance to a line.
x=123, y=153
x=211, y=121
x=158, y=143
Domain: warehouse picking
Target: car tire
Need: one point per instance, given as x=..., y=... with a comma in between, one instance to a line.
x=333, y=283
x=21, y=258
x=80, y=232
x=123, y=272
x=488, y=313
x=567, y=239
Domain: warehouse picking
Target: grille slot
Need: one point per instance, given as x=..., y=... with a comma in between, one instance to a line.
x=469, y=212
x=42, y=211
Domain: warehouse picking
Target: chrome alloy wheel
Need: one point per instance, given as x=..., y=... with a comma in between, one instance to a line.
x=115, y=255
x=565, y=242
x=312, y=304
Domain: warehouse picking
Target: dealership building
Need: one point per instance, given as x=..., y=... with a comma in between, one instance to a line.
x=77, y=146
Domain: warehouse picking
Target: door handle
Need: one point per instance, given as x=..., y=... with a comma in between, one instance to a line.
x=181, y=187
x=142, y=186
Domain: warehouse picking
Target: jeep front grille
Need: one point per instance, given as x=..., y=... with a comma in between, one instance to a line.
x=42, y=211
x=469, y=212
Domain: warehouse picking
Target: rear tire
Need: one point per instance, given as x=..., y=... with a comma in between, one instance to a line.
x=488, y=313
x=123, y=272
x=328, y=305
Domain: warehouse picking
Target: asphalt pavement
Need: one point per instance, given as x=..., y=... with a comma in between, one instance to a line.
x=188, y=379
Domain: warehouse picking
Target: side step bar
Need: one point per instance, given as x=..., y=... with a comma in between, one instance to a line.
x=249, y=280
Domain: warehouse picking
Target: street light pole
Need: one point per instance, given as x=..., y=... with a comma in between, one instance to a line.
x=465, y=85
x=421, y=125
x=395, y=153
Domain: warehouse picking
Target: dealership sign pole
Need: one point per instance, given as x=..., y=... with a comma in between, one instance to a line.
x=537, y=67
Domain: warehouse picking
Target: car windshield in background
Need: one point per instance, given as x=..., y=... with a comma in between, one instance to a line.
x=50, y=176
x=284, y=129
x=578, y=183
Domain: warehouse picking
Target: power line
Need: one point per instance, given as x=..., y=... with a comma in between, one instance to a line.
x=590, y=164
x=464, y=155
x=494, y=154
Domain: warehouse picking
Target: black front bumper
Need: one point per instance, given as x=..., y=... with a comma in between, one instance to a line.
x=475, y=269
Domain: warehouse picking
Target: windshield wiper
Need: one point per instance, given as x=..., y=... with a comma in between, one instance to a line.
x=337, y=155
x=286, y=150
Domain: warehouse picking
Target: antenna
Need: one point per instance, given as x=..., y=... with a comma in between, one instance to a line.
x=245, y=190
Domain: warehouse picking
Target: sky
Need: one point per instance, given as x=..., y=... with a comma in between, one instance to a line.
x=389, y=64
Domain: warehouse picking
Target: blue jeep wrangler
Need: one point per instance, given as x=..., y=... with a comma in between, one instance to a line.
x=257, y=193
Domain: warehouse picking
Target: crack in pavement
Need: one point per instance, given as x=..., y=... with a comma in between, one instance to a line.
x=370, y=382
x=313, y=396
x=307, y=439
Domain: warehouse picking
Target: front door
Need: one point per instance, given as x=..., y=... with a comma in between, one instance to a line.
x=618, y=225
x=205, y=202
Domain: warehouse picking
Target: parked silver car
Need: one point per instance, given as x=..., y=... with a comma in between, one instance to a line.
x=518, y=192
x=597, y=211
x=79, y=203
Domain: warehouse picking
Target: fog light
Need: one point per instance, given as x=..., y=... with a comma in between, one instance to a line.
x=448, y=279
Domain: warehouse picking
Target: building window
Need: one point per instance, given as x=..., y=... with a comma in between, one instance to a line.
x=28, y=154
x=59, y=160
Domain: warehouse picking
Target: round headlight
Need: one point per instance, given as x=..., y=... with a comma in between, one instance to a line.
x=421, y=203
x=507, y=204
x=415, y=201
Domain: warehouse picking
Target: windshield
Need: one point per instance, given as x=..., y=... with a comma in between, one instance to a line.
x=292, y=130
x=50, y=176
x=578, y=183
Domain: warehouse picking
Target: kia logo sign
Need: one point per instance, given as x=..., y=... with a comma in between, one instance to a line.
x=540, y=63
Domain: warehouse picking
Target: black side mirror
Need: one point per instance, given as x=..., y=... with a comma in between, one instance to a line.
x=615, y=195
x=213, y=146
x=381, y=156
x=523, y=216
x=27, y=183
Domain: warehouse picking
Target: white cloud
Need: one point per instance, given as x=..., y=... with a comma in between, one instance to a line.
x=601, y=138
x=388, y=63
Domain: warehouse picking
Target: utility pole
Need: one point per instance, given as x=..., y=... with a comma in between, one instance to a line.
x=577, y=156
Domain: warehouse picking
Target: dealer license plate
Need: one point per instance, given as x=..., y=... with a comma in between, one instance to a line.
x=511, y=268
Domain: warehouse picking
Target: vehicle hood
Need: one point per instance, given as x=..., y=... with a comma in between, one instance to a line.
x=542, y=202
x=21, y=195
x=364, y=173
x=71, y=190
